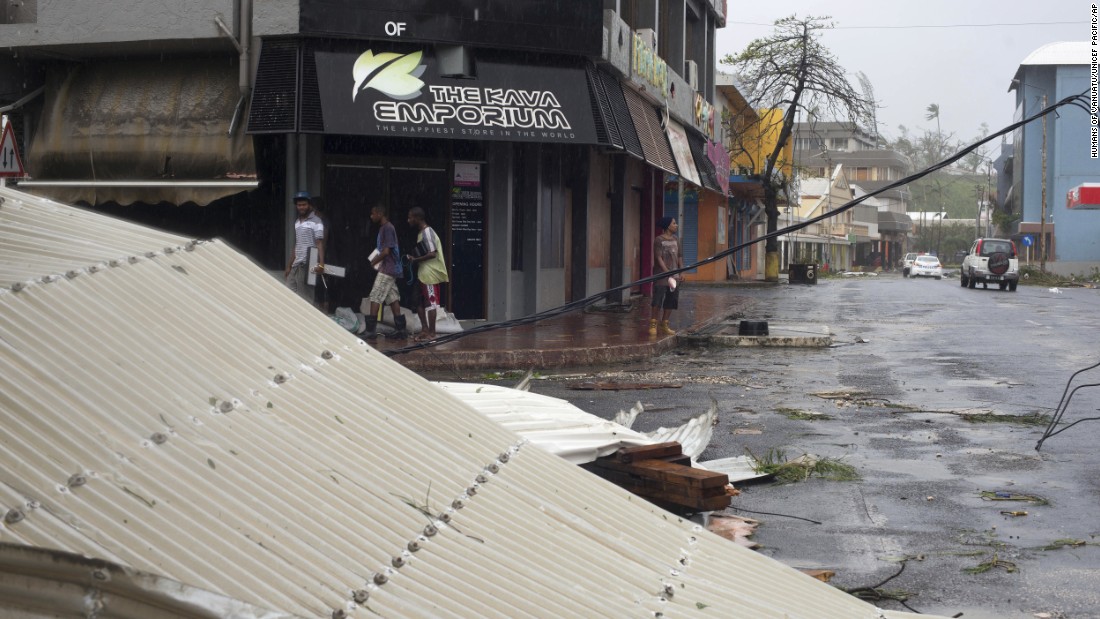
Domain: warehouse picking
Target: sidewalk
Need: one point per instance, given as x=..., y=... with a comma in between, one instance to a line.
x=580, y=338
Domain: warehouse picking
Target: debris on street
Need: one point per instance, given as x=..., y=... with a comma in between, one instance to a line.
x=663, y=474
x=738, y=530
x=610, y=386
x=1003, y=495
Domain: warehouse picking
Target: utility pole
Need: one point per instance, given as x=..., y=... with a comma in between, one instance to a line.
x=1043, y=215
x=978, y=217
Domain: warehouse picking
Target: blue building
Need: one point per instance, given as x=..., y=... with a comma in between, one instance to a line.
x=1072, y=236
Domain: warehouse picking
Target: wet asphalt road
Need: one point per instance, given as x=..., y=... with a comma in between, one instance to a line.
x=933, y=351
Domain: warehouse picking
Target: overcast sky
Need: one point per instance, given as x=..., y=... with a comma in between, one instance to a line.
x=964, y=68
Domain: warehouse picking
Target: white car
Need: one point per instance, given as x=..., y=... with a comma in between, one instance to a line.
x=907, y=263
x=926, y=266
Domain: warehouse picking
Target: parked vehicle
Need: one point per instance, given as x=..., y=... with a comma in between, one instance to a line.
x=907, y=264
x=926, y=266
x=991, y=261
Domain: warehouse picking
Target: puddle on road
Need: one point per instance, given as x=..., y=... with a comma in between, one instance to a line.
x=925, y=470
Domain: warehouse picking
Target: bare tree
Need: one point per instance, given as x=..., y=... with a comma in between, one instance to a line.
x=791, y=70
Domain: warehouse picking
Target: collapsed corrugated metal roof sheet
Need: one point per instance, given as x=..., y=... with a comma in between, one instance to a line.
x=183, y=414
x=556, y=426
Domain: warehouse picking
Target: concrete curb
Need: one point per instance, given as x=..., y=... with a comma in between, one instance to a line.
x=779, y=336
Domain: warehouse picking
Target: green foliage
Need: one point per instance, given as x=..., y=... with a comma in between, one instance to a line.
x=985, y=566
x=786, y=471
x=1062, y=543
x=798, y=414
x=1030, y=419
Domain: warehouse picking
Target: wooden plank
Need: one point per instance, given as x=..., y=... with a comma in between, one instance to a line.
x=709, y=505
x=667, y=472
x=713, y=504
x=648, y=452
x=679, y=474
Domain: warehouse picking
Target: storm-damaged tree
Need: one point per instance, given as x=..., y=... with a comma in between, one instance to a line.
x=950, y=190
x=788, y=72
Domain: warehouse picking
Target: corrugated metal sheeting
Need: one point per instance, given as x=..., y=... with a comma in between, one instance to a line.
x=181, y=413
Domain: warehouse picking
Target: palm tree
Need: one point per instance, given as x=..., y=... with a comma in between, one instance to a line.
x=933, y=110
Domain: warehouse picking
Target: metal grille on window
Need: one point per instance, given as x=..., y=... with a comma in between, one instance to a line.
x=275, y=95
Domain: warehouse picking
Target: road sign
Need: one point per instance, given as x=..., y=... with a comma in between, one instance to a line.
x=1027, y=240
x=10, y=163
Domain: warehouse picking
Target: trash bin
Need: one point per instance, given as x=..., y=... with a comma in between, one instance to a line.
x=803, y=273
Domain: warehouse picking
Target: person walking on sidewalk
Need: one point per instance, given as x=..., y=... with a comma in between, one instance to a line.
x=309, y=232
x=666, y=292
x=384, y=291
x=431, y=271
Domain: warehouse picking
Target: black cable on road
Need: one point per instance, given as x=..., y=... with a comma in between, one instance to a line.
x=1077, y=100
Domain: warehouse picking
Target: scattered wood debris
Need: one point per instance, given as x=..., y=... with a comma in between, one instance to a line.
x=734, y=528
x=662, y=474
x=822, y=575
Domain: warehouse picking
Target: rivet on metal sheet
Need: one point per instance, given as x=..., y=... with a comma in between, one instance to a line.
x=101, y=575
x=133, y=259
x=505, y=457
x=380, y=578
x=49, y=279
x=472, y=490
x=190, y=246
x=18, y=286
x=360, y=596
x=430, y=530
x=398, y=561
x=280, y=378
x=339, y=613
x=77, y=480
x=72, y=274
x=669, y=590
x=226, y=406
x=169, y=250
x=493, y=468
x=13, y=516
x=482, y=478
x=159, y=438
x=458, y=503
x=150, y=254
x=414, y=545
x=115, y=263
x=95, y=268
x=326, y=354
x=445, y=517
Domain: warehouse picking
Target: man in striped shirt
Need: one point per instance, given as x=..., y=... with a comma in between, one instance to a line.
x=308, y=232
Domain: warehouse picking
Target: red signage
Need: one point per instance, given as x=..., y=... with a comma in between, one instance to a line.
x=10, y=163
x=1084, y=197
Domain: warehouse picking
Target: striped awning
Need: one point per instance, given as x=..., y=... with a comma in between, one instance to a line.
x=655, y=144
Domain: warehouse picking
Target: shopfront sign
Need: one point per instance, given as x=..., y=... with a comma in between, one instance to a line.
x=720, y=157
x=648, y=66
x=398, y=91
